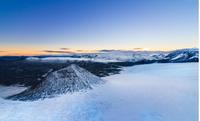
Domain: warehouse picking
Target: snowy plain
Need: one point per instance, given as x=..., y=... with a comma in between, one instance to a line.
x=153, y=92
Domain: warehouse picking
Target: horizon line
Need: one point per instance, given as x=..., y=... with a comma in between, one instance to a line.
x=64, y=52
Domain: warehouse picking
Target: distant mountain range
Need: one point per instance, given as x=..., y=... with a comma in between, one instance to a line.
x=181, y=55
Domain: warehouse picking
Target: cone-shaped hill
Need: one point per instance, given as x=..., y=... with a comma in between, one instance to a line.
x=70, y=79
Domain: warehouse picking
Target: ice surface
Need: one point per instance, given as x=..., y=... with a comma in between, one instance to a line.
x=154, y=92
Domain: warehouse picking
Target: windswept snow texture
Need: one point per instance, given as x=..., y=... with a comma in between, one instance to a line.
x=154, y=92
x=70, y=79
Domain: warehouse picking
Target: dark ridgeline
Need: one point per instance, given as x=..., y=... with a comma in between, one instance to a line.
x=29, y=73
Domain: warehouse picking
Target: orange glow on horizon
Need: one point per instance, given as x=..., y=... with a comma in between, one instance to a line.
x=37, y=51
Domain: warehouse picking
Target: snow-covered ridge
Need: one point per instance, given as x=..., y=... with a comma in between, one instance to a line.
x=182, y=55
x=70, y=79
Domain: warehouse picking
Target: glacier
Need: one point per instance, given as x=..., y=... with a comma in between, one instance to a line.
x=152, y=92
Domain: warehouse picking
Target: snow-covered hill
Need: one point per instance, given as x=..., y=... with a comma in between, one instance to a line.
x=70, y=79
x=182, y=55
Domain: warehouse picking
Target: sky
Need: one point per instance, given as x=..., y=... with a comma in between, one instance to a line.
x=32, y=27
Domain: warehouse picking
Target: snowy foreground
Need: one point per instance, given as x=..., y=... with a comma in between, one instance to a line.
x=154, y=92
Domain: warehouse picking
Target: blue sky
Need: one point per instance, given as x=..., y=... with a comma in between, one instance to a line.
x=37, y=25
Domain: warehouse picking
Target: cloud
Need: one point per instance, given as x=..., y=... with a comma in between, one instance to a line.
x=64, y=48
x=138, y=48
x=80, y=50
x=105, y=50
x=141, y=49
x=58, y=51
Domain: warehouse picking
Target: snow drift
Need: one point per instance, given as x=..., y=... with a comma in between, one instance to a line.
x=67, y=80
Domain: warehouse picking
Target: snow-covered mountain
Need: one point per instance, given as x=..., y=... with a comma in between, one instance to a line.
x=182, y=55
x=70, y=79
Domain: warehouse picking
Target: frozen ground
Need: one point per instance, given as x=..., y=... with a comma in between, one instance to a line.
x=154, y=92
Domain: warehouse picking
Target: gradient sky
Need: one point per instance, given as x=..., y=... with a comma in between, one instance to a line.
x=37, y=26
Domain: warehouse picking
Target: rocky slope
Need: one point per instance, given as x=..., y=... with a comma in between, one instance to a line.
x=67, y=80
